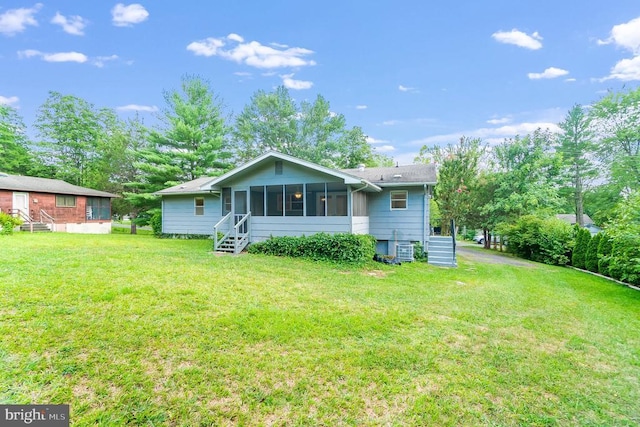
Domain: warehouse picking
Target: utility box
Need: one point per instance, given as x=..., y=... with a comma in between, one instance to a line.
x=404, y=253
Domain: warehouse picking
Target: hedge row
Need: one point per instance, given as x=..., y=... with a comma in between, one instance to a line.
x=341, y=247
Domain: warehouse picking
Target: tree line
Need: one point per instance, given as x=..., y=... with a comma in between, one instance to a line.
x=91, y=147
x=592, y=166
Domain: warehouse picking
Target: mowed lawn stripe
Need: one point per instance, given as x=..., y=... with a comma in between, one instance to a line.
x=142, y=331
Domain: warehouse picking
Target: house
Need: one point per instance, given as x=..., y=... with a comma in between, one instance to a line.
x=280, y=195
x=586, y=220
x=55, y=204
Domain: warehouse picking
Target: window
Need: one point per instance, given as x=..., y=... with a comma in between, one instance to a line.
x=398, y=200
x=278, y=167
x=226, y=200
x=274, y=200
x=295, y=200
x=316, y=199
x=257, y=201
x=199, y=205
x=336, y=199
x=98, y=208
x=66, y=201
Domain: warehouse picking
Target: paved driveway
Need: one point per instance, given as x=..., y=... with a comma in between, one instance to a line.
x=475, y=252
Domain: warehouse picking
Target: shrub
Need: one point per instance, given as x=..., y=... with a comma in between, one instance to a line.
x=547, y=240
x=8, y=223
x=625, y=258
x=156, y=222
x=340, y=247
x=583, y=236
x=604, y=254
x=591, y=257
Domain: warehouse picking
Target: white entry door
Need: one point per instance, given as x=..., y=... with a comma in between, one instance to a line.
x=21, y=202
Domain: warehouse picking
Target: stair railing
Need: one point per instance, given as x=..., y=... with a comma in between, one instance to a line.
x=45, y=217
x=224, y=222
x=242, y=233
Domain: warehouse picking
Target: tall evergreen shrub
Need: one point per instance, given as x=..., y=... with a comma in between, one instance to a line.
x=580, y=249
x=591, y=258
x=604, y=254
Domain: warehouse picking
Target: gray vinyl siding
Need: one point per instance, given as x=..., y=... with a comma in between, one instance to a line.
x=178, y=214
x=406, y=225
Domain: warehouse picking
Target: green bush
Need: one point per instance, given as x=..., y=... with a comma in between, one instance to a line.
x=625, y=258
x=591, y=257
x=578, y=257
x=341, y=247
x=156, y=222
x=547, y=240
x=8, y=223
x=604, y=254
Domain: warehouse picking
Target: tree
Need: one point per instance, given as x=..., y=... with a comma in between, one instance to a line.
x=458, y=168
x=15, y=157
x=71, y=130
x=527, y=178
x=310, y=131
x=190, y=144
x=616, y=119
x=576, y=147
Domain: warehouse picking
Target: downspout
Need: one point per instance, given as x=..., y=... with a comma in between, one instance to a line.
x=427, y=220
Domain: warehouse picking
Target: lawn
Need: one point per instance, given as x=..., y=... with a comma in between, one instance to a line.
x=132, y=330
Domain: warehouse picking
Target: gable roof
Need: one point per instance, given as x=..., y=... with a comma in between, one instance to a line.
x=571, y=218
x=46, y=185
x=409, y=175
x=370, y=179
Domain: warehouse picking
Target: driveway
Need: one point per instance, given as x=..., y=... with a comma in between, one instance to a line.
x=475, y=252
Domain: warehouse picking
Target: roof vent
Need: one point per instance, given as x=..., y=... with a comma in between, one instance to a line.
x=361, y=167
x=182, y=186
x=396, y=176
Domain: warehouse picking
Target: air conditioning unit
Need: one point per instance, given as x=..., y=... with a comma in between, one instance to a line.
x=404, y=253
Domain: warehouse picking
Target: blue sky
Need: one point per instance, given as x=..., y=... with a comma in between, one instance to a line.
x=409, y=73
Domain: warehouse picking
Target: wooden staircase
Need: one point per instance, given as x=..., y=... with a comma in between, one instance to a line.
x=35, y=227
x=441, y=251
x=236, y=233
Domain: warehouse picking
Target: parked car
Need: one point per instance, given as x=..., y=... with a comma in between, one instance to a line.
x=479, y=239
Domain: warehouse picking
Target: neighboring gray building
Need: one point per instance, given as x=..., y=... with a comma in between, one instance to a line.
x=280, y=195
x=586, y=220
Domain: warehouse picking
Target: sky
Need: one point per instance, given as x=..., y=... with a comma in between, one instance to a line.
x=409, y=73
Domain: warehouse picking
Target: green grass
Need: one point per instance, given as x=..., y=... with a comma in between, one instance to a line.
x=132, y=330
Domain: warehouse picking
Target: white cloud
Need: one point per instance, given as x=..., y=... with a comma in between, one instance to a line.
x=126, y=16
x=402, y=88
x=519, y=38
x=490, y=135
x=15, y=21
x=625, y=70
x=10, y=101
x=626, y=36
x=54, y=57
x=372, y=140
x=390, y=122
x=290, y=83
x=361, y=107
x=499, y=121
x=136, y=107
x=73, y=25
x=549, y=73
x=254, y=54
x=385, y=148
x=570, y=80
x=100, y=60
x=242, y=74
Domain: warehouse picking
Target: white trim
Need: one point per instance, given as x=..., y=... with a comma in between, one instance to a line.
x=406, y=200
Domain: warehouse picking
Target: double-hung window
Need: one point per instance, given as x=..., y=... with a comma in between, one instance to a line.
x=398, y=200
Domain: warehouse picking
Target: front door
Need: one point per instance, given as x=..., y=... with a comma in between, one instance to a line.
x=21, y=203
x=240, y=208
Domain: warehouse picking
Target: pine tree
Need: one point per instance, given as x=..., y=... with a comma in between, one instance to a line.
x=580, y=250
x=591, y=259
x=604, y=252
